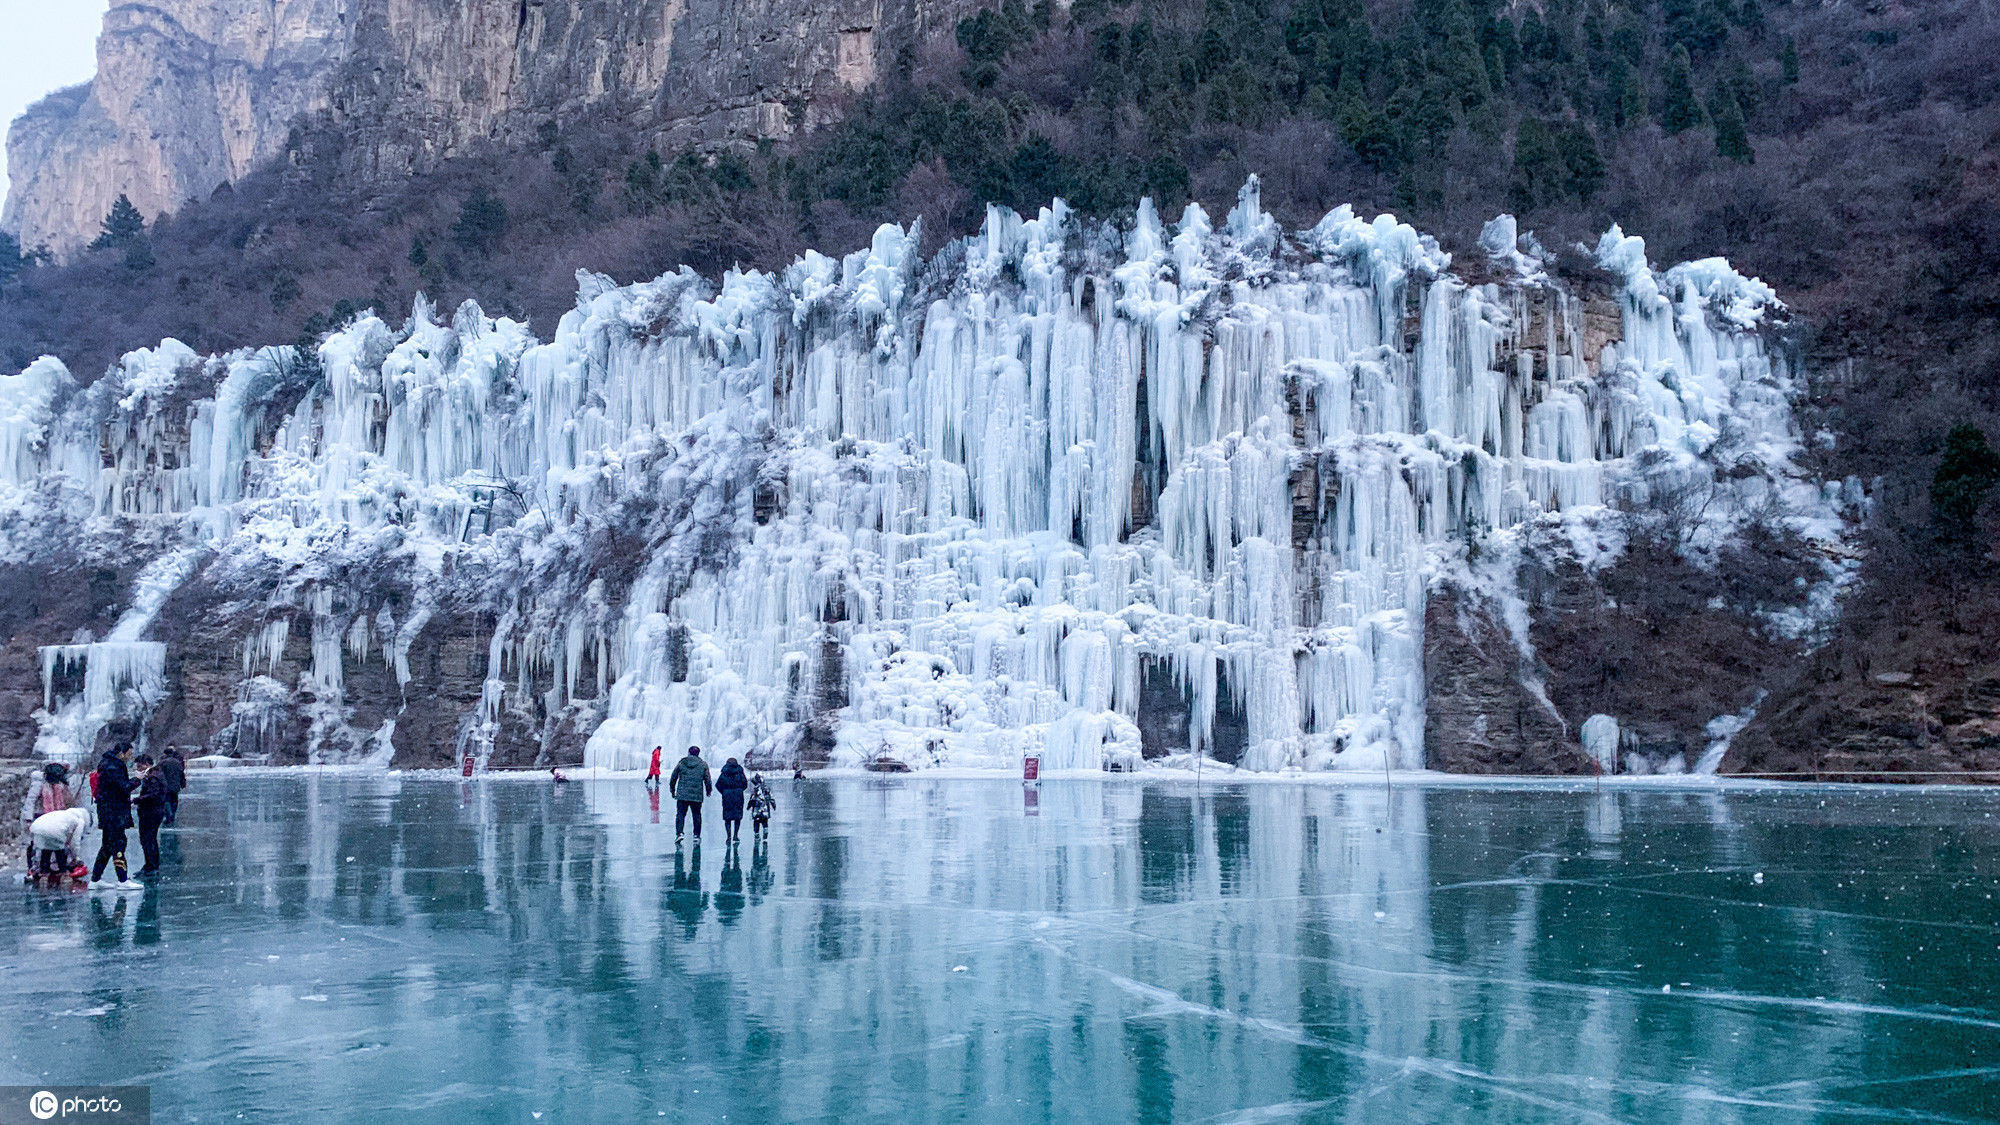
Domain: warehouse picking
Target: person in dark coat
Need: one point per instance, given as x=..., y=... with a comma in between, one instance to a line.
x=115, y=785
x=152, y=807
x=691, y=786
x=730, y=784
x=173, y=769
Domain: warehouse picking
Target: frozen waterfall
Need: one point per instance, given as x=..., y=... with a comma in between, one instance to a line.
x=1009, y=500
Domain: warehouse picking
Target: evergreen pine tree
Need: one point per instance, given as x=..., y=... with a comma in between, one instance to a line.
x=1464, y=68
x=11, y=261
x=1216, y=45
x=420, y=254
x=1682, y=110
x=1306, y=27
x=1739, y=83
x=1585, y=167
x=1788, y=61
x=1036, y=172
x=1732, y=141
x=1499, y=35
x=482, y=220
x=1967, y=473
x=1632, y=107
x=138, y=253
x=121, y=226
x=1538, y=167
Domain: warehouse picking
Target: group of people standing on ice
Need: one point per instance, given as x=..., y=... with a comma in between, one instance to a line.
x=125, y=791
x=690, y=784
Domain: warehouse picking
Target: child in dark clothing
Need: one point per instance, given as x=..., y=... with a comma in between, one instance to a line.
x=761, y=804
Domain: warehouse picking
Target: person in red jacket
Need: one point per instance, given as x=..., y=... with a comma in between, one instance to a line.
x=653, y=771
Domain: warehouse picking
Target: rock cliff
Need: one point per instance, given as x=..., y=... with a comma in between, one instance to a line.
x=192, y=94
x=189, y=94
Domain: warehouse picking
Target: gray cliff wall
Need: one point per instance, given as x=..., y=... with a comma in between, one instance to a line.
x=192, y=94
x=189, y=94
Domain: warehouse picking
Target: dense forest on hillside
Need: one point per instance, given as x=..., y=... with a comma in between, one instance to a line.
x=1846, y=153
x=1832, y=150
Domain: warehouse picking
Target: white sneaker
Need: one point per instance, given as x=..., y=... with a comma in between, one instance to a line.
x=101, y=884
x=130, y=885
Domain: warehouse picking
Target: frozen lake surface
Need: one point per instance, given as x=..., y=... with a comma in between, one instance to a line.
x=369, y=947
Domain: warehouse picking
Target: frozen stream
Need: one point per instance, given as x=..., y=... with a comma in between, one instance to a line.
x=369, y=946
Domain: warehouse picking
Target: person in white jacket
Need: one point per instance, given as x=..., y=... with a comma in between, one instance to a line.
x=58, y=841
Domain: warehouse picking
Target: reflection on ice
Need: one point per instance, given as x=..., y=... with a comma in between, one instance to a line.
x=924, y=949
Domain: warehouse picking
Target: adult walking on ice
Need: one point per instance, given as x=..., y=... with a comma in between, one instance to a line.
x=691, y=786
x=173, y=770
x=152, y=806
x=653, y=771
x=729, y=785
x=115, y=784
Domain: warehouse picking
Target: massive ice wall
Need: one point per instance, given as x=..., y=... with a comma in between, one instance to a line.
x=1015, y=499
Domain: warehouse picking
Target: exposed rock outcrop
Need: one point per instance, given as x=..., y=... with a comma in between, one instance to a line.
x=192, y=94
x=1485, y=710
x=189, y=94
x=1908, y=690
x=266, y=703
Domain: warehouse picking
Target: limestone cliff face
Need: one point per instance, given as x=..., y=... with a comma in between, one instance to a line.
x=191, y=94
x=429, y=79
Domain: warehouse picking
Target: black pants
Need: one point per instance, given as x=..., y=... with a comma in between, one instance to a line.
x=111, y=851
x=149, y=836
x=173, y=805
x=54, y=862
x=680, y=815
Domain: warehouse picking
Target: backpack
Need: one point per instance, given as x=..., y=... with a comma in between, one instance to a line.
x=93, y=785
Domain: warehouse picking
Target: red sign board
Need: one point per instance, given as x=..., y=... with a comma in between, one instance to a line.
x=1031, y=768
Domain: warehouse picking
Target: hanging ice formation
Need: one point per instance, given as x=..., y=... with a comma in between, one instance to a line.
x=1006, y=501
